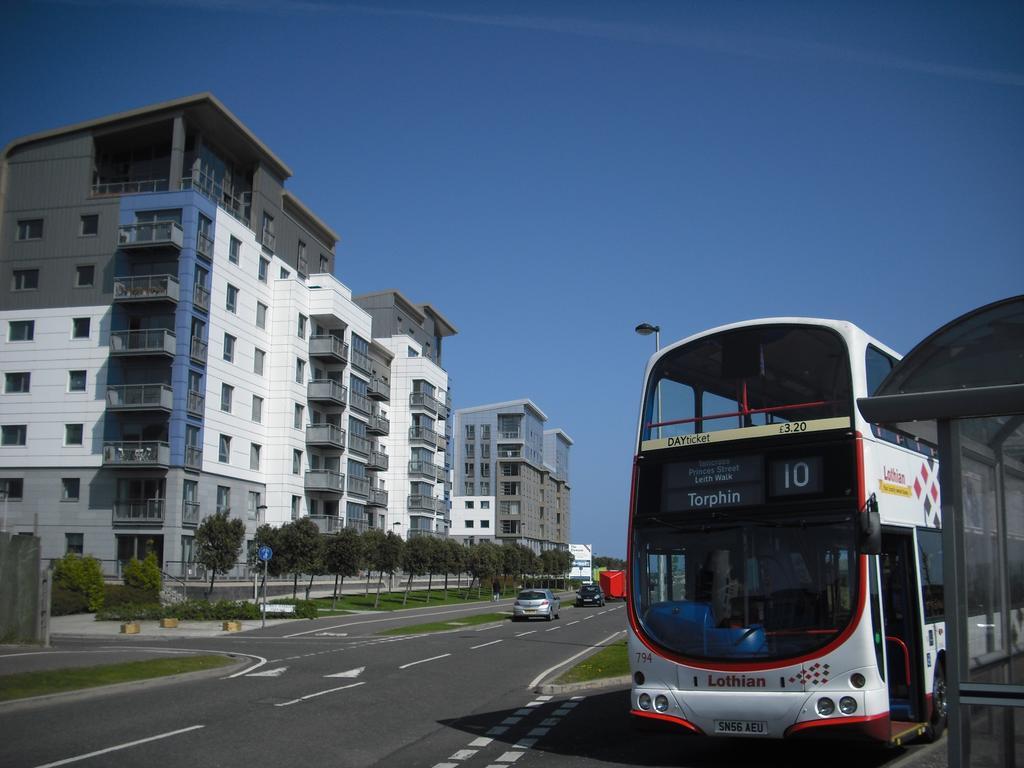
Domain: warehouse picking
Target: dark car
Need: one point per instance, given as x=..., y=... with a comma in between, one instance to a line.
x=589, y=594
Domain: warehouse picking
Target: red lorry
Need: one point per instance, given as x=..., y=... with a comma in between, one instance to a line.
x=613, y=584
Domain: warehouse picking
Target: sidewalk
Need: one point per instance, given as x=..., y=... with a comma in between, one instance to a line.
x=84, y=625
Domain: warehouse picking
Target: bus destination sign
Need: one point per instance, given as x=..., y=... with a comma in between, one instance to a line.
x=712, y=483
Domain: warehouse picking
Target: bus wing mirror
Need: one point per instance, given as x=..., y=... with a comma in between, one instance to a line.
x=870, y=528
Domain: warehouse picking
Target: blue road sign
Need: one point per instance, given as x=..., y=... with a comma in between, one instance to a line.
x=264, y=553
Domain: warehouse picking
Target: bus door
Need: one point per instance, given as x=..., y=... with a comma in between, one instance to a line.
x=903, y=641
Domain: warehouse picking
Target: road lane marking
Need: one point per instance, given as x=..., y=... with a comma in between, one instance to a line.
x=349, y=673
x=318, y=693
x=463, y=754
x=525, y=743
x=276, y=672
x=119, y=747
x=511, y=721
x=510, y=757
x=484, y=645
x=521, y=634
x=587, y=618
x=482, y=741
x=553, y=629
x=388, y=618
x=488, y=627
x=545, y=698
x=539, y=732
x=497, y=730
x=259, y=664
x=549, y=670
x=573, y=622
x=523, y=712
x=424, y=661
x=549, y=721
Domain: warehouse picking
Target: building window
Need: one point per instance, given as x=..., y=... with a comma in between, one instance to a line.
x=80, y=327
x=30, y=229
x=296, y=507
x=70, y=487
x=301, y=262
x=257, y=409
x=258, y=358
x=253, y=505
x=470, y=468
x=72, y=434
x=412, y=352
x=469, y=505
x=12, y=488
x=234, y=249
x=25, y=280
x=296, y=461
x=470, y=431
x=254, y=456
x=13, y=434
x=267, y=238
x=485, y=523
x=485, y=431
x=85, y=275
x=231, y=303
x=264, y=266
x=485, y=488
x=76, y=381
x=224, y=449
x=74, y=543
x=223, y=499
x=229, y=347
x=324, y=263
x=284, y=274
x=485, y=505
x=226, y=391
x=302, y=326
x=89, y=225
x=470, y=489
x=300, y=371
x=17, y=382
x=469, y=523
x=21, y=330
x=299, y=411
x=261, y=315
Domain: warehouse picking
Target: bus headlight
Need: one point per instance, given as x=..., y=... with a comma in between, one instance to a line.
x=644, y=701
x=661, y=703
x=847, y=705
x=825, y=706
x=639, y=678
x=857, y=680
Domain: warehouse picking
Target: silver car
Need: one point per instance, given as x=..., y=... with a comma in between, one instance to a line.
x=536, y=603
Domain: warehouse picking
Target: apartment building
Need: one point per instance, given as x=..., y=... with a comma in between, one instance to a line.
x=419, y=477
x=506, y=462
x=174, y=341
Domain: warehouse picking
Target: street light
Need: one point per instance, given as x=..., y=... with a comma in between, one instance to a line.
x=646, y=329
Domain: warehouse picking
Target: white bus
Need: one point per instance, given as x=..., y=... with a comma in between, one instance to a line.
x=785, y=561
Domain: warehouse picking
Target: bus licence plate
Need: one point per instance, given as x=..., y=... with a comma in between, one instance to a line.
x=742, y=727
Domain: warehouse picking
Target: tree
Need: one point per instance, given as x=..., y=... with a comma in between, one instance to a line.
x=383, y=553
x=611, y=563
x=343, y=556
x=529, y=563
x=302, y=551
x=435, y=560
x=484, y=561
x=415, y=560
x=453, y=556
x=144, y=575
x=217, y=544
x=83, y=575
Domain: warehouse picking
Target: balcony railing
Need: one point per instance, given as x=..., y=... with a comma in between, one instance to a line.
x=378, y=389
x=359, y=444
x=428, y=470
x=146, y=288
x=139, y=512
x=516, y=435
x=325, y=480
x=199, y=350
x=361, y=361
x=130, y=187
x=378, y=425
x=359, y=403
x=421, y=503
x=510, y=453
x=325, y=434
x=159, y=341
x=153, y=234
x=428, y=402
x=327, y=389
x=424, y=435
x=358, y=486
x=377, y=498
x=204, y=246
x=201, y=297
x=238, y=205
x=193, y=457
x=196, y=403
x=136, y=454
x=377, y=462
x=328, y=523
x=328, y=346
x=190, y=513
x=140, y=397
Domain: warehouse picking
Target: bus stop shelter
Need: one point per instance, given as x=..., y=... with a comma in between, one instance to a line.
x=962, y=388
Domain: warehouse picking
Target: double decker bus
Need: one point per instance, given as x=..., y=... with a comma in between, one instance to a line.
x=785, y=561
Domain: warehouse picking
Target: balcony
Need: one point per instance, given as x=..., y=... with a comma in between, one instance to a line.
x=506, y=452
x=204, y=246
x=238, y=204
x=146, y=288
x=420, y=503
x=132, y=454
x=140, y=397
x=359, y=444
x=362, y=362
x=423, y=435
x=328, y=523
x=511, y=435
x=199, y=350
x=193, y=457
x=379, y=389
x=378, y=425
x=190, y=513
x=201, y=297
x=325, y=435
x=139, y=512
x=440, y=474
x=358, y=486
x=155, y=341
x=328, y=390
x=328, y=346
x=325, y=481
x=196, y=403
x=130, y=187
x=359, y=403
x=157, y=234
x=377, y=498
x=425, y=402
x=377, y=462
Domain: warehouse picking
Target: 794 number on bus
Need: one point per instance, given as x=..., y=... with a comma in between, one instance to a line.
x=644, y=657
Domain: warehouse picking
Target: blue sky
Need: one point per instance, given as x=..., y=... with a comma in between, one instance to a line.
x=550, y=174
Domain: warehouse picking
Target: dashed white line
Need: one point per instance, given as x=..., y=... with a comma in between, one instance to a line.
x=530, y=632
x=510, y=757
x=424, y=661
x=318, y=693
x=484, y=645
x=539, y=732
x=463, y=754
x=481, y=741
x=120, y=746
x=588, y=618
x=525, y=743
x=497, y=730
x=523, y=712
x=573, y=622
x=511, y=721
x=553, y=629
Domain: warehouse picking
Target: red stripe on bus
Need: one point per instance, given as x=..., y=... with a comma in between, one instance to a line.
x=877, y=726
x=668, y=718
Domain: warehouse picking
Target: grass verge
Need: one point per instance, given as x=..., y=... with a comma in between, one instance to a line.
x=446, y=626
x=612, y=661
x=393, y=601
x=27, y=684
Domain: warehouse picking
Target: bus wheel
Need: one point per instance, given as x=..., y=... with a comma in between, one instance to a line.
x=937, y=723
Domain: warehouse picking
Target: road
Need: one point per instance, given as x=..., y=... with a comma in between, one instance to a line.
x=335, y=692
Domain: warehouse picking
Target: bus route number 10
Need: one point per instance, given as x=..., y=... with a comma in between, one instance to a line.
x=796, y=476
